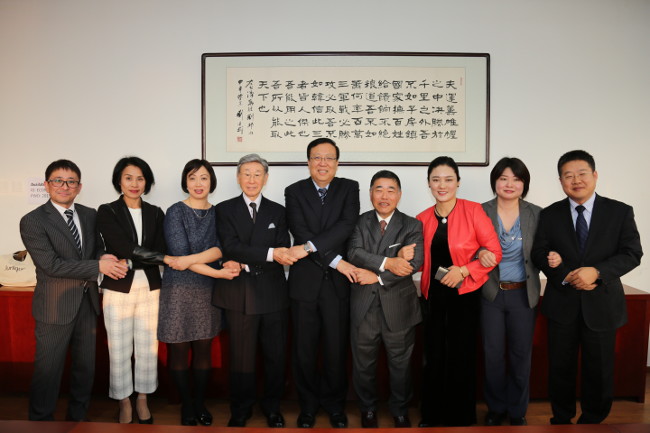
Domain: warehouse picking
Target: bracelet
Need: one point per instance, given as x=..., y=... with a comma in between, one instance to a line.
x=461, y=272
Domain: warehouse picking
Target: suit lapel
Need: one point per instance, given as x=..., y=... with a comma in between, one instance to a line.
x=526, y=225
x=59, y=223
x=597, y=223
x=566, y=224
x=244, y=219
x=87, y=230
x=263, y=219
x=313, y=201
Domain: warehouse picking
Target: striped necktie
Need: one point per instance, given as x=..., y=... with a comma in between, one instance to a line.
x=322, y=192
x=73, y=228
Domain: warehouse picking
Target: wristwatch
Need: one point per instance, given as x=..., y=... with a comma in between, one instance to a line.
x=308, y=248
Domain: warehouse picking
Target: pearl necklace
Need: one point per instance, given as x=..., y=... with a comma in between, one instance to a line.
x=444, y=219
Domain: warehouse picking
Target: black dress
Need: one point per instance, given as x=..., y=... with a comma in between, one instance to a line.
x=450, y=338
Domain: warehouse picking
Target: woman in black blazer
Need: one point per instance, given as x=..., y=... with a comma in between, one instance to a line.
x=133, y=230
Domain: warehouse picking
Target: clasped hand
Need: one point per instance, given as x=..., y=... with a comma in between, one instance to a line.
x=110, y=266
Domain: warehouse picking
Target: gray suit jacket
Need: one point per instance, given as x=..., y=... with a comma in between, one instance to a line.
x=528, y=217
x=62, y=273
x=367, y=249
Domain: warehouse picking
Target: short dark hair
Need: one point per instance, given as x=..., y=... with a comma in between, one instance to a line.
x=194, y=165
x=385, y=174
x=443, y=160
x=318, y=141
x=62, y=164
x=136, y=162
x=575, y=155
x=518, y=168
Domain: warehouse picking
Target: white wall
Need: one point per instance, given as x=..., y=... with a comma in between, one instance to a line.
x=95, y=80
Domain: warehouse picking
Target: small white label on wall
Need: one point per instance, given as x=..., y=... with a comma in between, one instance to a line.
x=36, y=193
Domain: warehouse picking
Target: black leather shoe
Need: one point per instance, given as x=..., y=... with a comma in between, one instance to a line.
x=369, y=419
x=204, y=417
x=275, y=420
x=239, y=420
x=518, y=421
x=306, y=420
x=402, y=421
x=494, y=418
x=338, y=420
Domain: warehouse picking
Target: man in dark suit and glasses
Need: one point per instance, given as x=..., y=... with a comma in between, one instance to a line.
x=322, y=211
x=67, y=250
x=253, y=232
x=584, y=244
x=387, y=247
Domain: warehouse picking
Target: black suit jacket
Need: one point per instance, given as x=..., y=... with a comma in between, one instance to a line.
x=613, y=247
x=62, y=273
x=116, y=226
x=263, y=289
x=328, y=226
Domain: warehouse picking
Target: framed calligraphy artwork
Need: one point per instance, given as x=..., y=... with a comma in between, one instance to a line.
x=379, y=108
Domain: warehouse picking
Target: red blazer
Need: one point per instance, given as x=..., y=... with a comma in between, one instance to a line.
x=469, y=229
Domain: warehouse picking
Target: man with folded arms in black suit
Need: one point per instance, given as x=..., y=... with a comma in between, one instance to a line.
x=386, y=246
x=61, y=237
x=253, y=233
x=584, y=244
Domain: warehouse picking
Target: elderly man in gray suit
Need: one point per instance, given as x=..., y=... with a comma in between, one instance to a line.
x=387, y=247
x=67, y=251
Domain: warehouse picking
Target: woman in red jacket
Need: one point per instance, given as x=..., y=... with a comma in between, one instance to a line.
x=454, y=230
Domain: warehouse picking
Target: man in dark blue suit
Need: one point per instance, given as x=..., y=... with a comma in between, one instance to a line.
x=584, y=244
x=253, y=232
x=322, y=211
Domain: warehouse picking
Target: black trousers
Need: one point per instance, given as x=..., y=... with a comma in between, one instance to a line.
x=246, y=331
x=597, y=371
x=321, y=327
x=450, y=337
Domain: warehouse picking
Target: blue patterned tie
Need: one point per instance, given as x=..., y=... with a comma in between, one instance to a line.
x=73, y=228
x=581, y=228
x=322, y=192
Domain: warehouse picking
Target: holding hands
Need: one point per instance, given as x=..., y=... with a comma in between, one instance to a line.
x=110, y=266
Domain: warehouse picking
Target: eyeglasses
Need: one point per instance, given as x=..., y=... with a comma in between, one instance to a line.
x=72, y=184
x=570, y=177
x=319, y=159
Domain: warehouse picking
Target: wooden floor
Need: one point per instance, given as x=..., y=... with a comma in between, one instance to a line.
x=104, y=410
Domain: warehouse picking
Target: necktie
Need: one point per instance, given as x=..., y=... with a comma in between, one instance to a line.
x=382, y=226
x=322, y=192
x=254, y=207
x=581, y=228
x=73, y=228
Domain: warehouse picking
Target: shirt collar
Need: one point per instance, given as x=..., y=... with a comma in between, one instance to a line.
x=327, y=187
x=589, y=204
x=61, y=209
x=385, y=219
x=257, y=201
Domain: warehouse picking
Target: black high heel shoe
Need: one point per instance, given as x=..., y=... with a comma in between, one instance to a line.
x=204, y=417
x=188, y=416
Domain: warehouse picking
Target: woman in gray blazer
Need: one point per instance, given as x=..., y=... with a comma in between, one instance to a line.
x=510, y=295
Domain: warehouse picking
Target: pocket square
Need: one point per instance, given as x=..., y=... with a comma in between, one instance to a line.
x=271, y=226
x=395, y=245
